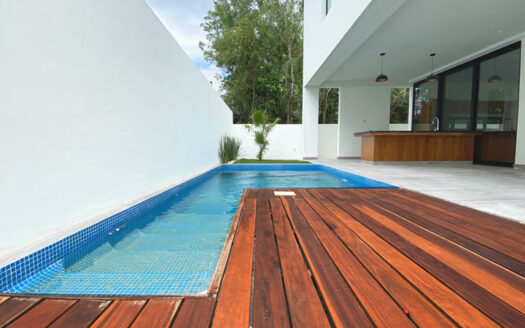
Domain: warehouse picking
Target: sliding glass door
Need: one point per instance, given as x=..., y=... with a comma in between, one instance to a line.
x=456, y=114
x=425, y=106
x=497, y=108
x=480, y=95
x=499, y=79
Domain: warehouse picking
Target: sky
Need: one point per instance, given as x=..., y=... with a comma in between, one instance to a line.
x=183, y=19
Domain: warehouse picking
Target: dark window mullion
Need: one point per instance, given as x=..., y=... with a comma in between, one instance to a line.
x=441, y=87
x=475, y=96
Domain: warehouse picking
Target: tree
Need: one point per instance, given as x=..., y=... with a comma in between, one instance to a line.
x=328, y=105
x=257, y=44
x=261, y=129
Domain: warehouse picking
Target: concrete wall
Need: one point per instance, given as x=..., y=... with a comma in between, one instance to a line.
x=99, y=106
x=286, y=142
x=361, y=109
x=328, y=141
x=520, y=142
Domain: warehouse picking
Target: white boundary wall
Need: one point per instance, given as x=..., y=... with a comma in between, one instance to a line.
x=286, y=142
x=328, y=141
x=99, y=106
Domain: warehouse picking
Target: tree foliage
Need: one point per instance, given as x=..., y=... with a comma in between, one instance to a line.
x=328, y=105
x=261, y=129
x=258, y=46
x=399, y=105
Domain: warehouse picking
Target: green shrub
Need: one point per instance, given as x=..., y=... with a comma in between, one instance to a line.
x=229, y=149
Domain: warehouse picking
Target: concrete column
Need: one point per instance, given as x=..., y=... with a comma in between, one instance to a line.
x=310, y=121
x=520, y=140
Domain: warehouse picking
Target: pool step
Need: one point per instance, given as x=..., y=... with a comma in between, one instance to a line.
x=113, y=283
x=147, y=261
x=159, y=241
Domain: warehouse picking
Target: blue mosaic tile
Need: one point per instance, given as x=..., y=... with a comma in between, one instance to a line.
x=168, y=244
x=81, y=241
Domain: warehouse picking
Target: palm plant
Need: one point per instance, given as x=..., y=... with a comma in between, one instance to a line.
x=261, y=128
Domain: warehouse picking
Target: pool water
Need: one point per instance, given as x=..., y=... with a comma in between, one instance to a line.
x=174, y=249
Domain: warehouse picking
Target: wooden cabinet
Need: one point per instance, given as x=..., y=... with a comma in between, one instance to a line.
x=417, y=146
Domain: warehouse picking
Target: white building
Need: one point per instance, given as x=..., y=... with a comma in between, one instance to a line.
x=474, y=41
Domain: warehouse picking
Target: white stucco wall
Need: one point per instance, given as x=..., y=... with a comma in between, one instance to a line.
x=398, y=127
x=310, y=122
x=99, y=106
x=286, y=142
x=361, y=109
x=323, y=32
x=520, y=140
x=328, y=140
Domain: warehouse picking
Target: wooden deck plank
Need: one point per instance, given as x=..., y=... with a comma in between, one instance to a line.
x=14, y=307
x=120, y=314
x=159, y=312
x=381, y=308
x=437, y=223
x=459, y=215
x=502, y=283
x=306, y=309
x=508, y=227
x=456, y=307
x=233, y=305
x=81, y=314
x=269, y=302
x=422, y=311
x=484, y=300
x=195, y=313
x=342, y=304
x=223, y=259
x=372, y=253
x=501, y=234
x=43, y=314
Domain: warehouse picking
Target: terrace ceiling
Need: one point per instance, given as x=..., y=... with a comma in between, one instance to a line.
x=456, y=30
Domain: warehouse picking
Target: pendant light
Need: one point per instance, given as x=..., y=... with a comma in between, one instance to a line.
x=432, y=77
x=381, y=77
x=495, y=78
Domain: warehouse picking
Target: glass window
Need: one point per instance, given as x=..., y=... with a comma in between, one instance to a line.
x=425, y=106
x=457, y=100
x=498, y=93
x=399, y=105
x=328, y=5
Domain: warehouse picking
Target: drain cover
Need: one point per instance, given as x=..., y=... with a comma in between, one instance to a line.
x=284, y=193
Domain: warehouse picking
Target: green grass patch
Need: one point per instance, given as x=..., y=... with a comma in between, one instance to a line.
x=269, y=161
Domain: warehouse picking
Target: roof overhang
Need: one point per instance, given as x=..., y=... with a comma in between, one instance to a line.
x=408, y=31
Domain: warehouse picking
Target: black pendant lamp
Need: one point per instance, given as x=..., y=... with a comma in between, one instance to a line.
x=381, y=77
x=495, y=78
x=432, y=77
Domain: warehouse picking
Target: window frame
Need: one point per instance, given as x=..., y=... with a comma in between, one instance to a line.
x=475, y=63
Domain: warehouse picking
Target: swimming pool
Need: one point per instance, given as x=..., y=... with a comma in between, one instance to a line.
x=169, y=244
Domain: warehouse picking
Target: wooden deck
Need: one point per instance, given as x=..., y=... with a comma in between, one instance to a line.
x=331, y=257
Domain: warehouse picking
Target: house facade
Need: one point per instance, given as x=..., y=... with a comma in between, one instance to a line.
x=460, y=60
